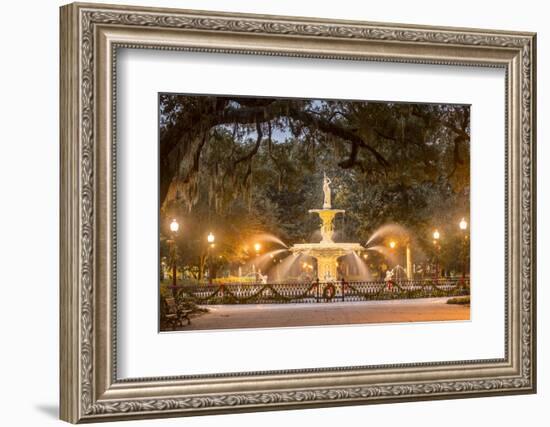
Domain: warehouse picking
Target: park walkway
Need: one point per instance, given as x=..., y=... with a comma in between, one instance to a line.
x=281, y=315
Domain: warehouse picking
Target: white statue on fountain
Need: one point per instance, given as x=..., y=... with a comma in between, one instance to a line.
x=326, y=189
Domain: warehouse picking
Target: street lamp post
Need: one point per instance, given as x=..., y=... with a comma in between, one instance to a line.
x=463, y=225
x=408, y=260
x=210, y=239
x=255, y=265
x=174, y=227
x=392, y=244
x=436, y=237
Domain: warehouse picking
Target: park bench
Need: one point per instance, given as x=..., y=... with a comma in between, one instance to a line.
x=174, y=313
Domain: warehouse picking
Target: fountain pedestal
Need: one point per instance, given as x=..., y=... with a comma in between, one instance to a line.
x=327, y=222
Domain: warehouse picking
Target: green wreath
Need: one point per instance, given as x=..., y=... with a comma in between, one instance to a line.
x=329, y=291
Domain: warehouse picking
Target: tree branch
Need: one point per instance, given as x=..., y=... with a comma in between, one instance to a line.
x=256, y=147
x=341, y=132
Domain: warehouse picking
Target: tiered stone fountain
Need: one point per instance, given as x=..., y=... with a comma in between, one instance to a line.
x=327, y=251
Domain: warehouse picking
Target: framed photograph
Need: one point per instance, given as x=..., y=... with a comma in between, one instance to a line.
x=265, y=212
x=248, y=241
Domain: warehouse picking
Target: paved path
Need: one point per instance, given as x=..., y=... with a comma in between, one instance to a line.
x=279, y=315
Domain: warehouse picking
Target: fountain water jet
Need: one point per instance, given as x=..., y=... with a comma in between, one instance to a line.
x=399, y=272
x=265, y=237
x=282, y=269
x=265, y=261
x=391, y=229
x=361, y=266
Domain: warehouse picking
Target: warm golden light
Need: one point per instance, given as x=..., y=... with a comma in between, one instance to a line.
x=392, y=244
x=257, y=247
x=436, y=235
x=174, y=226
x=463, y=224
x=210, y=238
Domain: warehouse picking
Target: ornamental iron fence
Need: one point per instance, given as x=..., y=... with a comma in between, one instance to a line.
x=319, y=292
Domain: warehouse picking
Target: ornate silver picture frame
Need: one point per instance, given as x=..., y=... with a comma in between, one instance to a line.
x=91, y=390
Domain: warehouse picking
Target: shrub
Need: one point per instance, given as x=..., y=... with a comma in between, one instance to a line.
x=459, y=300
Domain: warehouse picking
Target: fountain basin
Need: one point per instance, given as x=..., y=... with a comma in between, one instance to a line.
x=327, y=255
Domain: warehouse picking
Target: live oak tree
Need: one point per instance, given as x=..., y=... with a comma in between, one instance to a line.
x=252, y=165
